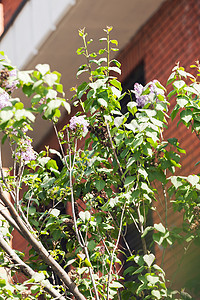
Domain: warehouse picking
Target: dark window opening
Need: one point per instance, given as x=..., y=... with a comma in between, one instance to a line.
x=137, y=75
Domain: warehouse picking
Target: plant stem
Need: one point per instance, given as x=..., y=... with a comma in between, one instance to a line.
x=115, y=248
x=113, y=148
x=78, y=233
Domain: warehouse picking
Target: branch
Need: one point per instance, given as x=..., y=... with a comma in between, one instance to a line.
x=41, y=250
x=28, y=271
x=113, y=148
x=78, y=233
x=10, y=220
x=116, y=245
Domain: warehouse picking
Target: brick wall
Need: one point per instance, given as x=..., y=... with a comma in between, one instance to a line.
x=170, y=36
x=10, y=8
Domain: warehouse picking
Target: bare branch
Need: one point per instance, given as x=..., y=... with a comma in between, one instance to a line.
x=28, y=271
x=40, y=249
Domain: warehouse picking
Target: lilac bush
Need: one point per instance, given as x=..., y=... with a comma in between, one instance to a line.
x=125, y=169
x=79, y=123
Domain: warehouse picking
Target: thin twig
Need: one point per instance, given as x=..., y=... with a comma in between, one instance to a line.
x=115, y=248
x=61, y=147
x=113, y=148
x=78, y=234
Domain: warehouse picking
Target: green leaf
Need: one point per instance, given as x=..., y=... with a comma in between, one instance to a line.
x=23, y=113
x=91, y=245
x=129, y=270
x=182, y=102
x=118, y=121
x=43, y=68
x=116, y=285
x=67, y=106
x=149, y=259
x=138, y=141
x=186, y=115
x=193, y=179
x=116, y=83
x=6, y=115
x=50, y=79
x=99, y=184
x=24, y=77
x=85, y=215
x=159, y=227
x=147, y=229
x=51, y=106
x=88, y=264
x=55, y=212
x=101, y=51
x=179, y=84
x=175, y=181
x=35, y=289
x=131, y=160
x=129, y=180
x=51, y=164
x=2, y=282
x=156, y=294
x=38, y=277
x=19, y=105
x=132, y=107
x=114, y=42
x=102, y=102
x=116, y=62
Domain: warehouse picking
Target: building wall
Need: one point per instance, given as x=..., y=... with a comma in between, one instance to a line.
x=10, y=8
x=172, y=35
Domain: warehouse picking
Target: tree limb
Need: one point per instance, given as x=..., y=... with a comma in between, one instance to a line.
x=26, y=270
x=40, y=249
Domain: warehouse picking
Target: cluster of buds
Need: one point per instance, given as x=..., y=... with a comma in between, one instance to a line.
x=4, y=99
x=8, y=80
x=149, y=93
x=101, y=132
x=79, y=123
x=25, y=150
x=196, y=220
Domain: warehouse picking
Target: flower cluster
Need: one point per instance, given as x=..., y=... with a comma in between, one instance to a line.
x=25, y=150
x=4, y=99
x=79, y=122
x=148, y=93
x=8, y=79
x=12, y=82
x=140, y=99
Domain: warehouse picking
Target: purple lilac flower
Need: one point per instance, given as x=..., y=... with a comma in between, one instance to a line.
x=151, y=97
x=141, y=100
x=4, y=99
x=43, y=100
x=15, y=132
x=26, y=152
x=13, y=73
x=80, y=121
x=12, y=82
